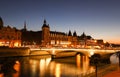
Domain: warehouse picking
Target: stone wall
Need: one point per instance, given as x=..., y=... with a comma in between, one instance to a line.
x=8, y=52
x=39, y=52
x=64, y=54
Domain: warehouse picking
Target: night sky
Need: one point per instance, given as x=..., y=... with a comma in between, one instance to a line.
x=98, y=18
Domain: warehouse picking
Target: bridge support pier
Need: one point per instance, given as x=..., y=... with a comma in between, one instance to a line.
x=53, y=56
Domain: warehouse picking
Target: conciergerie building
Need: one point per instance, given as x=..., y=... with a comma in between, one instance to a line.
x=48, y=38
x=13, y=37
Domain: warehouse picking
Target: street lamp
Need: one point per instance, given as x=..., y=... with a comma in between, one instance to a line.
x=95, y=61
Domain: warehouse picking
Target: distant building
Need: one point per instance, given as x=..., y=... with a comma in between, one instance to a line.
x=86, y=41
x=47, y=38
x=100, y=43
x=9, y=36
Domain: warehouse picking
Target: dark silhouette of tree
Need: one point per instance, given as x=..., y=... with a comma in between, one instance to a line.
x=95, y=60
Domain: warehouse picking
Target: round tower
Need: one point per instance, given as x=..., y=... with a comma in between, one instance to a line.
x=1, y=23
x=45, y=34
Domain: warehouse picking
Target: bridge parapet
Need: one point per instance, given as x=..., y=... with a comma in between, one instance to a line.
x=86, y=52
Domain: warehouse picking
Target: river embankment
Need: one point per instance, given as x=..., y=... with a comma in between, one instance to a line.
x=104, y=70
x=17, y=51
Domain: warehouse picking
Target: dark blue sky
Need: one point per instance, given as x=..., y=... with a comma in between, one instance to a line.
x=98, y=18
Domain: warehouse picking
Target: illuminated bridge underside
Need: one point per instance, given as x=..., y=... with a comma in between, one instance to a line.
x=73, y=52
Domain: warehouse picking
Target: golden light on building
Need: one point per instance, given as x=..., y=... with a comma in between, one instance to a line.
x=95, y=41
x=104, y=42
x=57, y=70
x=9, y=36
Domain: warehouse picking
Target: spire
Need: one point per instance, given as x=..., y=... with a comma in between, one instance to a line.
x=69, y=34
x=45, y=21
x=24, y=29
x=74, y=34
x=83, y=36
x=45, y=24
x=24, y=24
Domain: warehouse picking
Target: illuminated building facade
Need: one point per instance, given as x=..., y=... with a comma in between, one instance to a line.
x=13, y=37
x=10, y=37
x=47, y=38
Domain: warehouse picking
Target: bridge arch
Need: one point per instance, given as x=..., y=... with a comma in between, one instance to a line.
x=67, y=53
x=104, y=58
x=71, y=52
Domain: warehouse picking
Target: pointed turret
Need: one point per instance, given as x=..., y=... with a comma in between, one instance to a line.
x=69, y=34
x=74, y=34
x=45, y=24
x=1, y=23
x=45, y=21
x=83, y=36
x=25, y=26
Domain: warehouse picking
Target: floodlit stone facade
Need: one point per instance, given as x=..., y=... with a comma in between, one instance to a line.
x=47, y=38
x=9, y=36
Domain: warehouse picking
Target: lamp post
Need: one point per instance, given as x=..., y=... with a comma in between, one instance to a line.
x=96, y=64
x=95, y=61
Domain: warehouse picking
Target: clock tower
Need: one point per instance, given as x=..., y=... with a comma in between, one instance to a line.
x=45, y=34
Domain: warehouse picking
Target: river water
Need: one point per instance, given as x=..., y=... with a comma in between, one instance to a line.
x=44, y=66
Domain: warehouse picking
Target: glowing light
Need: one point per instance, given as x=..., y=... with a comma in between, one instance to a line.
x=16, y=44
x=17, y=66
x=57, y=72
x=53, y=51
x=48, y=61
x=104, y=41
x=17, y=62
x=42, y=67
x=1, y=43
x=91, y=51
x=78, y=60
x=95, y=41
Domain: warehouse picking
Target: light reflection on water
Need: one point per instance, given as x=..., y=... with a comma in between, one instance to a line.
x=65, y=67
x=45, y=67
x=114, y=59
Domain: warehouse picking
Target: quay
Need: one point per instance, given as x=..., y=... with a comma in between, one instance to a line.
x=10, y=52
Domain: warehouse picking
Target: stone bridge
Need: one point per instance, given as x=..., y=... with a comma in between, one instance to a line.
x=65, y=52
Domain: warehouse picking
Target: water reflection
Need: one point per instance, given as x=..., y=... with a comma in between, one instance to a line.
x=71, y=67
x=83, y=65
x=16, y=67
x=38, y=66
x=9, y=67
x=114, y=59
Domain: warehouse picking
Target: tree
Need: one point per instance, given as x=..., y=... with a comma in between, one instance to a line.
x=95, y=59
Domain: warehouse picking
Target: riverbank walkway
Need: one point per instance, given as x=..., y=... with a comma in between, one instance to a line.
x=113, y=74
x=111, y=70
